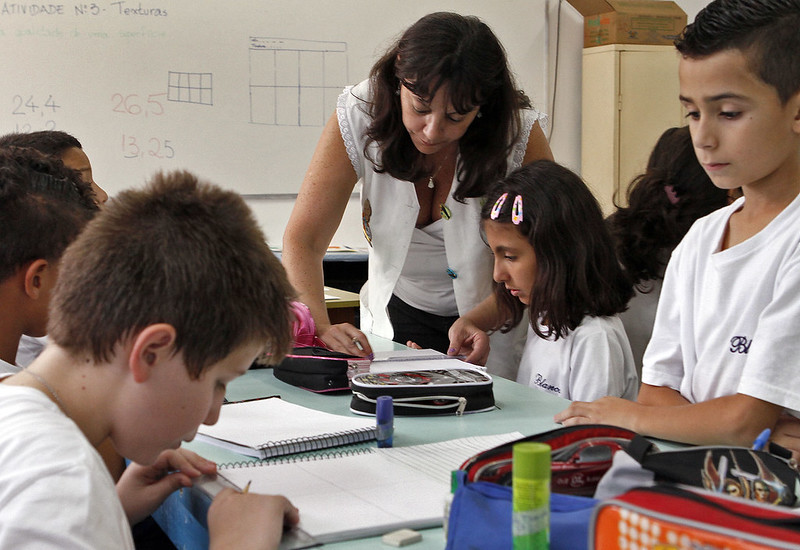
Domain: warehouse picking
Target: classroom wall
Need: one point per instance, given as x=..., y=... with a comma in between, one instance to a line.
x=564, y=71
x=109, y=49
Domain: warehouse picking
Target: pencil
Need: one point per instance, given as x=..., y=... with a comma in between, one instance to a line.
x=246, y=488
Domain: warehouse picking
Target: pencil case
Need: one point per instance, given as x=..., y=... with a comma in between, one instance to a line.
x=482, y=503
x=669, y=516
x=480, y=517
x=581, y=456
x=424, y=392
x=318, y=369
x=769, y=476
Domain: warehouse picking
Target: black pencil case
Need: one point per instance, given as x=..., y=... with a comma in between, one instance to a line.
x=317, y=369
x=424, y=392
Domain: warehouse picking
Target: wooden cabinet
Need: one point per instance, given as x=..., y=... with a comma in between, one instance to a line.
x=629, y=97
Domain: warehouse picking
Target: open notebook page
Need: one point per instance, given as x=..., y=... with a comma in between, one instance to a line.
x=370, y=492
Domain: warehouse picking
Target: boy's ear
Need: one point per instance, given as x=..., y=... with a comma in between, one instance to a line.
x=152, y=346
x=34, y=277
x=794, y=103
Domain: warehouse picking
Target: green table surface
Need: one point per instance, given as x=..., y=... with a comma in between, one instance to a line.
x=519, y=408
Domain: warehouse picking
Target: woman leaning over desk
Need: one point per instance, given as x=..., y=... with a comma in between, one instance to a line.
x=439, y=119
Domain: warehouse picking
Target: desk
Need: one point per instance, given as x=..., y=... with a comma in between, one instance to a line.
x=342, y=305
x=519, y=408
x=345, y=269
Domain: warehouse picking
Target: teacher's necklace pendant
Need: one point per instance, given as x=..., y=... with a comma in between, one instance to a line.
x=431, y=183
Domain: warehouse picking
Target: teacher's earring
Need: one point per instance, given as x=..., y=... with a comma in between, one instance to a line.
x=479, y=115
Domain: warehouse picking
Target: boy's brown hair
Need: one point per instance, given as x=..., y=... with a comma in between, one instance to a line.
x=182, y=252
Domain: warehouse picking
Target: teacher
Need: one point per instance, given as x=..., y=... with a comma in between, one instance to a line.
x=438, y=120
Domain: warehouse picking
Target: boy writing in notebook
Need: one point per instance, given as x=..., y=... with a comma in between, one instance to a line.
x=166, y=296
x=721, y=365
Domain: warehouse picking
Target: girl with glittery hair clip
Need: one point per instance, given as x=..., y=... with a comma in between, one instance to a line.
x=554, y=256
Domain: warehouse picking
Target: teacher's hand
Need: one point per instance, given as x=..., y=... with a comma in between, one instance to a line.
x=345, y=338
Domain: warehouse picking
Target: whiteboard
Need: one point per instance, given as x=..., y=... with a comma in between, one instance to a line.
x=237, y=92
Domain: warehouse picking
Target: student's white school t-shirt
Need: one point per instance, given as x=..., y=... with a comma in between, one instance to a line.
x=29, y=349
x=729, y=321
x=55, y=490
x=592, y=361
x=8, y=368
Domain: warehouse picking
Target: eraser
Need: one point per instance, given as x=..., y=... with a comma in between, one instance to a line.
x=402, y=537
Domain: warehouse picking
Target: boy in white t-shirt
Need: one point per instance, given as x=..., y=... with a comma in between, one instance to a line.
x=721, y=366
x=165, y=297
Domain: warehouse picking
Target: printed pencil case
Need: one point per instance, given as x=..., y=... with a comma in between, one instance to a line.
x=424, y=392
x=581, y=455
x=769, y=476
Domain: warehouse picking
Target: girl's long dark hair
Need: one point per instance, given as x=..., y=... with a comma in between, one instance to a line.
x=462, y=52
x=577, y=271
x=663, y=203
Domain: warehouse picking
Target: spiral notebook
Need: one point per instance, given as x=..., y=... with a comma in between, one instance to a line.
x=270, y=427
x=346, y=494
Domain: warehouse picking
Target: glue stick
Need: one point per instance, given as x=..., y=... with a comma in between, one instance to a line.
x=448, y=501
x=530, y=484
x=384, y=415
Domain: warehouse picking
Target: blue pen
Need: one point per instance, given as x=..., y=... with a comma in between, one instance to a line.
x=384, y=416
x=761, y=440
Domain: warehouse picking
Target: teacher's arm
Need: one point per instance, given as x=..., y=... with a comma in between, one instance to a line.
x=318, y=210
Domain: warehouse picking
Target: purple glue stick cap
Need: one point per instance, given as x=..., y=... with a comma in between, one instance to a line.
x=384, y=416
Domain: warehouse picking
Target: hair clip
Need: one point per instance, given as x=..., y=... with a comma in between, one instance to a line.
x=498, y=206
x=671, y=194
x=516, y=210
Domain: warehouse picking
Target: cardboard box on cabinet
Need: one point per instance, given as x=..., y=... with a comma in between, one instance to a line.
x=629, y=21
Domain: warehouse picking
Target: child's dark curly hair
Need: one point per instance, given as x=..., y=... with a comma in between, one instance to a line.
x=663, y=203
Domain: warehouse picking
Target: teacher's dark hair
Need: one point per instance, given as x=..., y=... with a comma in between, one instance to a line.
x=462, y=52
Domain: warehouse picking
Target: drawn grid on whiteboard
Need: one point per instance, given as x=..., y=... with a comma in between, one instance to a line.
x=190, y=88
x=295, y=82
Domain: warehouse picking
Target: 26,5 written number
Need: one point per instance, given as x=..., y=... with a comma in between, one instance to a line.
x=132, y=104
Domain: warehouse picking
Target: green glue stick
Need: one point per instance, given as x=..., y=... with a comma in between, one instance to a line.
x=530, y=484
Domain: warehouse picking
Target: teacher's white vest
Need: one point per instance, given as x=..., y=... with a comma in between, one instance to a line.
x=389, y=215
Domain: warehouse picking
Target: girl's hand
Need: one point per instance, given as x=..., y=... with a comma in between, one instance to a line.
x=244, y=521
x=345, y=338
x=142, y=489
x=613, y=411
x=467, y=339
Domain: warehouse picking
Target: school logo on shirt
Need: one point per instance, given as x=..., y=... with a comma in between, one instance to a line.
x=542, y=382
x=740, y=344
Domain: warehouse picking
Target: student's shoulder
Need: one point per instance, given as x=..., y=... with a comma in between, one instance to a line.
x=599, y=329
